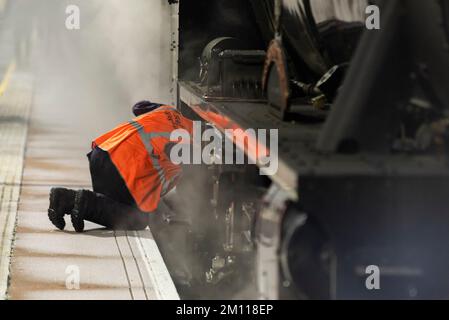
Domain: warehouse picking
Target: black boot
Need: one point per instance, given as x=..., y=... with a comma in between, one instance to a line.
x=84, y=201
x=61, y=203
x=104, y=211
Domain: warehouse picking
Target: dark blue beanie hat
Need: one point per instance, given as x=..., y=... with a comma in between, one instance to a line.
x=143, y=107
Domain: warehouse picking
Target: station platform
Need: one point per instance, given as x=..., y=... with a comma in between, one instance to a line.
x=45, y=133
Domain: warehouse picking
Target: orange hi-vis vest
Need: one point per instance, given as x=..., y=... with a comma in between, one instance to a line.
x=137, y=150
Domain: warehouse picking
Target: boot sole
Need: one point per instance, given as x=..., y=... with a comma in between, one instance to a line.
x=76, y=217
x=55, y=218
x=77, y=221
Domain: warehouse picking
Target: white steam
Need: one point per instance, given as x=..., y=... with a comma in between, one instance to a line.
x=137, y=39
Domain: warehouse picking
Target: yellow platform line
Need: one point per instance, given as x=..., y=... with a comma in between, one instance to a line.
x=5, y=82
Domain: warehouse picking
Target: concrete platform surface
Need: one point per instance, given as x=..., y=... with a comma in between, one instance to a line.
x=55, y=103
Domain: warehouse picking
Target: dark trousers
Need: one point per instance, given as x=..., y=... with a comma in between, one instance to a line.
x=107, y=182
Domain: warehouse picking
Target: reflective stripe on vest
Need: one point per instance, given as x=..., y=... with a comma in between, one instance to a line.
x=146, y=140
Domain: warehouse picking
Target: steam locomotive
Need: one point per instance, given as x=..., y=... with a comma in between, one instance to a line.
x=363, y=177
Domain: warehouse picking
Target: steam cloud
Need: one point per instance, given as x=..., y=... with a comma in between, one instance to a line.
x=137, y=37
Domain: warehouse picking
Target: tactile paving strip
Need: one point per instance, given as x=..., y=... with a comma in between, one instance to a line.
x=14, y=114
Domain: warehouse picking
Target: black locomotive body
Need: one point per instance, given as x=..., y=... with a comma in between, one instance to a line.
x=363, y=177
